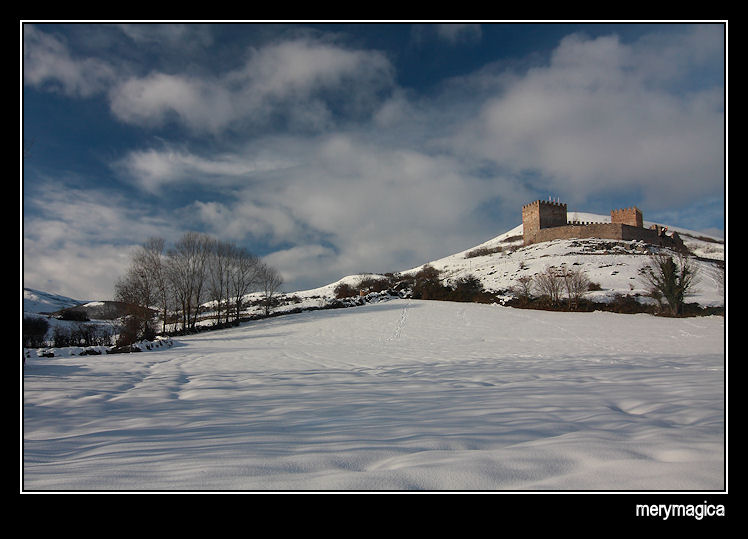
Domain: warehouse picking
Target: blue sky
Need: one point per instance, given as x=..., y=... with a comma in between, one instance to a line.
x=344, y=148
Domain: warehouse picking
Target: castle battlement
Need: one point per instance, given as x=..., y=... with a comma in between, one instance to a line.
x=629, y=216
x=545, y=203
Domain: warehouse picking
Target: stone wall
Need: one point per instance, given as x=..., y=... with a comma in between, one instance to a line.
x=610, y=231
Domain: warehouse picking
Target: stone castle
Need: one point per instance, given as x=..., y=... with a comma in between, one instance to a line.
x=546, y=221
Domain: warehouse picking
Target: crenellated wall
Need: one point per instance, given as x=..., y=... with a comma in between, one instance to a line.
x=627, y=216
x=546, y=221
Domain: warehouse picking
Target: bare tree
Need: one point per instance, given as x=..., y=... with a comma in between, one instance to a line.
x=187, y=270
x=136, y=288
x=246, y=273
x=133, y=287
x=549, y=284
x=219, y=276
x=670, y=279
x=270, y=282
x=576, y=283
x=152, y=258
x=523, y=288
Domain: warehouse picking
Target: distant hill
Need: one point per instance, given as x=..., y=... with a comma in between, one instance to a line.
x=36, y=301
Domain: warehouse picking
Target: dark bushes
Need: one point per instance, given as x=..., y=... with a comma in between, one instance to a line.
x=344, y=290
x=74, y=315
x=34, y=332
x=427, y=284
x=483, y=251
x=81, y=335
x=134, y=329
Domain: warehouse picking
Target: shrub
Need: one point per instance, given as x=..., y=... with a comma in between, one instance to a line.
x=344, y=290
x=135, y=329
x=427, y=284
x=594, y=287
x=483, y=251
x=523, y=289
x=669, y=281
x=626, y=304
x=128, y=332
x=372, y=284
x=61, y=337
x=34, y=331
x=468, y=288
x=74, y=315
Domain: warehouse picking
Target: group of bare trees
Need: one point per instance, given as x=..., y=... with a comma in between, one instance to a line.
x=198, y=269
x=552, y=283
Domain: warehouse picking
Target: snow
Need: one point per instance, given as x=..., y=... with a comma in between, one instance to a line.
x=397, y=395
x=400, y=394
x=36, y=301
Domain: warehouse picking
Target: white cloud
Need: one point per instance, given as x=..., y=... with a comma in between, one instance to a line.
x=182, y=36
x=78, y=242
x=245, y=217
x=597, y=119
x=301, y=66
x=457, y=33
x=75, y=269
x=290, y=81
x=375, y=207
x=450, y=33
x=153, y=100
x=407, y=185
x=153, y=169
x=302, y=83
x=301, y=264
x=48, y=63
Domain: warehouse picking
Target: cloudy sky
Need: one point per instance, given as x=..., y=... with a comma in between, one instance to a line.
x=346, y=148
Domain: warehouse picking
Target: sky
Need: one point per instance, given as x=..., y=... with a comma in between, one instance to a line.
x=335, y=149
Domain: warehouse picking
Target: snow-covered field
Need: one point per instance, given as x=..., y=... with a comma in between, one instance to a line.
x=399, y=395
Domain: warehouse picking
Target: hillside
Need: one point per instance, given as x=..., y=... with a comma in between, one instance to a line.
x=37, y=301
x=613, y=265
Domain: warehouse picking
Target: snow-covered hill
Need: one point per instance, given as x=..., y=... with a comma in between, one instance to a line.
x=36, y=301
x=613, y=265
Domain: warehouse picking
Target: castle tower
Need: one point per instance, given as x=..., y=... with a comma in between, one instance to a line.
x=541, y=214
x=629, y=216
